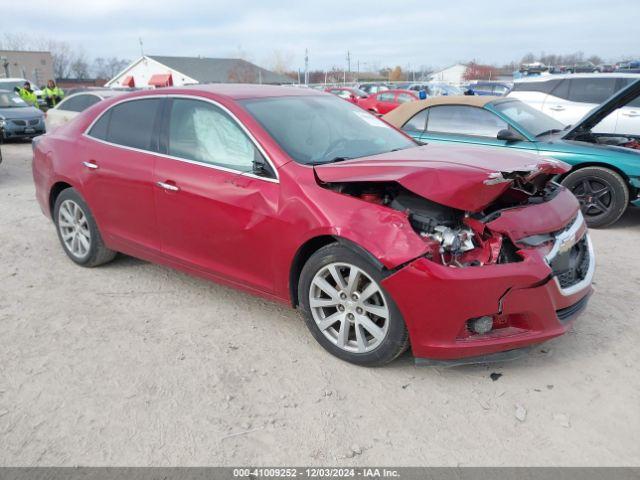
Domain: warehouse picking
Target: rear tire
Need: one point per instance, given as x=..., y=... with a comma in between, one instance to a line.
x=603, y=194
x=78, y=231
x=367, y=329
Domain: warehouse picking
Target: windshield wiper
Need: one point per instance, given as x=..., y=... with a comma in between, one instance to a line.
x=548, y=132
x=333, y=160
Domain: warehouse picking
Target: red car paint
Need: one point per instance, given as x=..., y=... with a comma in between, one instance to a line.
x=431, y=171
x=384, y=102
x=246, y=232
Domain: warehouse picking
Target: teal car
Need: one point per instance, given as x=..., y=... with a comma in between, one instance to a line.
x=606, y=168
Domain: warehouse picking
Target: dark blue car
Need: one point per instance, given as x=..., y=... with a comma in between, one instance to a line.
x=18, y=119
x=499, y=89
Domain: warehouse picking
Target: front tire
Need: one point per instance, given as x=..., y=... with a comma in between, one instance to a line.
x=78, y=231
x=347, y=310
x=603, y=194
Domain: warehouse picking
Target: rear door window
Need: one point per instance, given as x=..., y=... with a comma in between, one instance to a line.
x=591, y=90
x=405, y=97
x=130, y=124
x=386, y=97
x=79, y=103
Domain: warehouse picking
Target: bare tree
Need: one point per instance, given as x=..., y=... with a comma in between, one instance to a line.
x=280, y=61
x=80, y=66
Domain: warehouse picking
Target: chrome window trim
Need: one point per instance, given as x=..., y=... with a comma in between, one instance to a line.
x=253, y=140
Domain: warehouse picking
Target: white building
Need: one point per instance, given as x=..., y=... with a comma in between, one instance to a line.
x=453, y=75
x=152, y=71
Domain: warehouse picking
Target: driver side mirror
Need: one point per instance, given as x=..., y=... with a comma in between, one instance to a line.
x=509, y=136
x=261, y=168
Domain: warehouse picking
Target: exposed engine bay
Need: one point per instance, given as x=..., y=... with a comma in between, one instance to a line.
x=455, y=238
x=613, y=140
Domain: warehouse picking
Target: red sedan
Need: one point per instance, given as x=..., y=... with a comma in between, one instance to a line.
x=303, y=198
x=353, y=95
x=383, y=102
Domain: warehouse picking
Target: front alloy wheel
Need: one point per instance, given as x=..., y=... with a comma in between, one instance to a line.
x=349, y=308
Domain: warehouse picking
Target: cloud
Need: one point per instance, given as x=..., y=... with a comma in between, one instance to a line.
x=387, y=33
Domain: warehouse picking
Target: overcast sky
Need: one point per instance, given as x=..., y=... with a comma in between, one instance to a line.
x=376, y=33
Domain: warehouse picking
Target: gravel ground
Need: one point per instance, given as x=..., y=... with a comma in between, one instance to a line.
x=136, y=364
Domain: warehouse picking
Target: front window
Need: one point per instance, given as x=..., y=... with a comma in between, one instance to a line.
x=532, y=120
x=11, y=100
x=464, y=120
x=321, y=129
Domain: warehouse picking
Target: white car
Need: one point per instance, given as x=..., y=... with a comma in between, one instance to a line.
x=72, y=105
x=568, y=98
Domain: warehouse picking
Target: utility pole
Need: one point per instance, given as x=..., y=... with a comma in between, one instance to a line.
x=358, y=74
x=349, y=63
x=141, y=46
x=306, y=66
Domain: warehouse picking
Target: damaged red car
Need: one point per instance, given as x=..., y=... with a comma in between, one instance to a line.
x=460, y=253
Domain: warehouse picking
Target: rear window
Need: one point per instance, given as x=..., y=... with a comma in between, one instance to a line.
x=129, y=124
x=78, y=103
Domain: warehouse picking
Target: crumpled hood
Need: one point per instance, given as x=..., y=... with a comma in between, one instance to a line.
x=463, y=177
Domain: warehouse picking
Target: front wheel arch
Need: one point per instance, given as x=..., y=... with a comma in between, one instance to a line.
x=310, y=247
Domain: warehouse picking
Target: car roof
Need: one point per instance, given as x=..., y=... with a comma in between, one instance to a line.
x=236, y=91
x=404, y=112
x=559, y=76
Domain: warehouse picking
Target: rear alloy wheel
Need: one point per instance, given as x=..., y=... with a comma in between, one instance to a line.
x=602, y=193
x=347, y=310
x=78, y=231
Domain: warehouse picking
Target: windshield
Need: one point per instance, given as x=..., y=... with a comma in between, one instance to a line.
x=321, y=129
x=532, y=120
x=11, y=100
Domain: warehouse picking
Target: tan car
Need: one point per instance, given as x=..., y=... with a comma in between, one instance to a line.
x=74, y=104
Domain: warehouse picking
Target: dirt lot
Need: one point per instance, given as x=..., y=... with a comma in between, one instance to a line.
x=137, y=364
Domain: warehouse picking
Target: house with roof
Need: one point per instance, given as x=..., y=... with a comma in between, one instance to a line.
x=154, y=71
x=452, y=75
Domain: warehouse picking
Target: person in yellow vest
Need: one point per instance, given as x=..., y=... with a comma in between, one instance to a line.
x=52, y=94
x=27, y=94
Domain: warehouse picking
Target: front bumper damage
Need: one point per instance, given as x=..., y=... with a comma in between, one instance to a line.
x=525, y=299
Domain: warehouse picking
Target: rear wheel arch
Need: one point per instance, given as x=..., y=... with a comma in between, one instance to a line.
x=313, y=245
x=55, y=191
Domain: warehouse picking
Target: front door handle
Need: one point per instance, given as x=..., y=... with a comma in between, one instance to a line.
x=168, y=186
x=632, y=113
x=90, y=165
x=557, y=108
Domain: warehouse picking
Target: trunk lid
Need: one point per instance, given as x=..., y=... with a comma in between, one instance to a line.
x=462, y=177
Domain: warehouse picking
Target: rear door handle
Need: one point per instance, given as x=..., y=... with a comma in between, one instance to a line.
x=557, y=108
x=168, y=186
x=632, y=113
x=90, y=165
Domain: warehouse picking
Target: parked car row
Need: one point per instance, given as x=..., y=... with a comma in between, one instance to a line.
x=568, y=98
x=605, y=177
